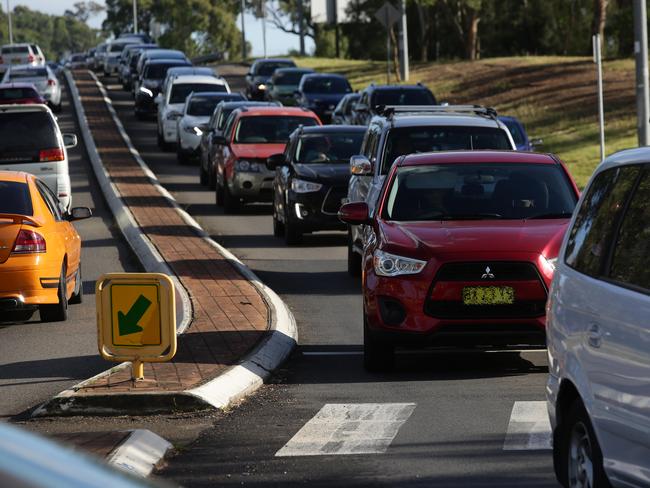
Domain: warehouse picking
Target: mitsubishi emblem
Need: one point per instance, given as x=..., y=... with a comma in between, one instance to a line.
x=488, y=274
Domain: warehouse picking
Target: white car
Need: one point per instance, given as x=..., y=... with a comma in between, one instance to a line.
x=97, y=61
x=111, y=58
x=31, y=141
x=20, y=54
x=598, y=331
x=171, y=102
x=42, y=77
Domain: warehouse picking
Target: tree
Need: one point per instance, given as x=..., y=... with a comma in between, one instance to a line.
x=465, y=17
x=600, y=17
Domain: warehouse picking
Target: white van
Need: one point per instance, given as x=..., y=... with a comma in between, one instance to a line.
x=20, y=54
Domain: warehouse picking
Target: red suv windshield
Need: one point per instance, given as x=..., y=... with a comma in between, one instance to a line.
x=269, y=129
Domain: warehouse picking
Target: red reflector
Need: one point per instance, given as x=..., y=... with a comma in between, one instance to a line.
x=30, y=58
x=51, y=82
x=51, y=155
x=28, y=242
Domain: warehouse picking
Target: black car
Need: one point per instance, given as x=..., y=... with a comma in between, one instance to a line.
x=208, y=150
x=149, y=84
x=260, y=73
x=321, y=93
x=375, y=96
x=311, y=179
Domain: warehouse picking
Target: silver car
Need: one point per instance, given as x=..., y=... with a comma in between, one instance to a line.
x=42, y=77
x=598, y=331
x=20, y=54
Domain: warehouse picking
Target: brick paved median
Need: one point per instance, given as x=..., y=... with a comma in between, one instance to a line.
x=229, y=314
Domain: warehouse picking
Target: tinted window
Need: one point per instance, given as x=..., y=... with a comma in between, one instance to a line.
x=334, y=148
x=515, y=131
x=322, y=84
x=632, y=250
x=15, y=198
x=479, y=191
x=17, y=93
x=15, y=50
x=157, y=71
x=202, y=106
x=225, y=113
x=408, y=140
x=16, y=74
x=23, y=135
x=399, y=96
x=590, y=235
x=269, y=129
x=117, y=48
x=181, y=91
x=288, y=77
x=267, y=69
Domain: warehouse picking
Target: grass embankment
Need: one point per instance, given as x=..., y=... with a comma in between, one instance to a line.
x=555, y=97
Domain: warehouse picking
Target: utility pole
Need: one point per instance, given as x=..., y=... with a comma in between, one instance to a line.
x=301, y=26
x=263, y=2
x=337, y=35
x=601, y=111
x=243, y=32
x=403, y=44
x=135, y=16
x=11, y=31
x=641, y=58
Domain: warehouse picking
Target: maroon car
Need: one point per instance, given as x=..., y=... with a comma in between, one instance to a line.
x=461, y=250
x=19, y=93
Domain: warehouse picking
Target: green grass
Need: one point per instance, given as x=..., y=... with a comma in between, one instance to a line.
x=554, y=96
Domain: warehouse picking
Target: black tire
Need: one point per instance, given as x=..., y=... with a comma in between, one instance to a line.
x=354, y=260
x=378, y=356
x=181, y=157
x=575, y=444
x=218, y=195
x=57, y=312
x=203, y=175
x=78, y=295
x=292, y=235
x=56, y=108
x=159, y=139
x=231, y=204
x=138, y=115
x=212, y=179
x=278, y=227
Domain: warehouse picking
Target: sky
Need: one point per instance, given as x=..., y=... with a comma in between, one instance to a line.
x=277, y=41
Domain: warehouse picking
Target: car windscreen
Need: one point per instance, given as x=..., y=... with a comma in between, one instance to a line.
x=473, y=191
x=15, y=198
x=157, y=71
x=269, y=129
x=515, y=132
x=399, y=96
x=409, y=140
x=182, y=90
x=17, y=93
x=78, y=57
x=17, y=74
x=322, y=84
x=267, y=69
x=331, y=148
x=15, y=50
x=117, y=48
x=24, y=134
x=202, y=106
x=289, y=77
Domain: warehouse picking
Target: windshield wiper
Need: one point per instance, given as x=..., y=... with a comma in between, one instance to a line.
x=556, y=215
x=475, y=216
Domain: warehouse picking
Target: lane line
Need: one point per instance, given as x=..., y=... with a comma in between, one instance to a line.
x=529, y=428
x=340, y=429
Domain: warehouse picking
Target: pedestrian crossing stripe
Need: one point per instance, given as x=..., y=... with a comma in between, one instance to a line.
x=529, y=427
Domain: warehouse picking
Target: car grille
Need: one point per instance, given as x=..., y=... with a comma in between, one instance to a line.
x=513, y=274
x=333, y=199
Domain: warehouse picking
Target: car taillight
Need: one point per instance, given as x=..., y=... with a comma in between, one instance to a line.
x=29, y=242
x=30, y=58
x=51, y=82
x=46, y=155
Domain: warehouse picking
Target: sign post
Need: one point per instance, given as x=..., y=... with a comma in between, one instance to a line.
x=387, y=15
x=136, y=318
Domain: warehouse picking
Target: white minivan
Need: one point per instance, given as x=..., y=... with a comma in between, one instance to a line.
x=598, y=331
x=30, y=141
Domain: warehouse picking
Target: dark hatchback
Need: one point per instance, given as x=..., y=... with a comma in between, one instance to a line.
x=150, y=83
x=321, y=93
x=311, y=179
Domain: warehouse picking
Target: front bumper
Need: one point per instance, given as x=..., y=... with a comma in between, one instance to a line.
x=252, y=186
x=316, y=210
x=189, y=142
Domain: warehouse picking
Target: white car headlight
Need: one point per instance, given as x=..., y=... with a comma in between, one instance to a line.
x=302, y=186
x=189, y=129
x=261, y=86
x=387, y=264
x=146, y=91
x=247, y=166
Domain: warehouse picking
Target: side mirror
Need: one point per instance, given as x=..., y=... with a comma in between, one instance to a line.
x=360, y=165
x=221, y=140
x=158, y=98
x=79, y=213
x=69, y=140
x=356, y=213
x=276, y=161
x=536, y=144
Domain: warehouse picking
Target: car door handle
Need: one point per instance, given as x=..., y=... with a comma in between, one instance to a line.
x=595, y=336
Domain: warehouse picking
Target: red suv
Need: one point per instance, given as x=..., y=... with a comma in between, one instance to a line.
x=461, y=250
x=250, y=136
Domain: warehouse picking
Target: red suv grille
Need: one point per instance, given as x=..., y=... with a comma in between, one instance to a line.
x=446, y=296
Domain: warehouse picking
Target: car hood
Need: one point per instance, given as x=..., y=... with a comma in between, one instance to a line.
x=333, y=173
x=256, y=151
x=193, y=120
x=424, y=239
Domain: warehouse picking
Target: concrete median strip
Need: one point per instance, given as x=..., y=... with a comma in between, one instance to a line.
x=270, y=347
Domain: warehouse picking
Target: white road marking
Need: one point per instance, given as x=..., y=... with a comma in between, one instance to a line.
x=529, y=427
x=337, y=429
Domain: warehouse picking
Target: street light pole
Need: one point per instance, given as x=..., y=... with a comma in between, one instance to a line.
x=641, y=58
x=11, y=31
x=243, y=32
x=135, y=16
x=264, y=25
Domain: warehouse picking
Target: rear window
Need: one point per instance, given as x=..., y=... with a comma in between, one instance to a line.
x=15, y=198
x=157, y=71
x=117, y=48
x=269, y=129
x=17, y=74
x=15, y=50
x=17, y=93
x=399, y=96
x=202, y=106
x=181, y=91
x=267, y=69
x=321, y=84
x=24, y=134
x=289, y=77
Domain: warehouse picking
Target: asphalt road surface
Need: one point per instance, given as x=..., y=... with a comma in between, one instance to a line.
x=444, y=418
x=38, y=360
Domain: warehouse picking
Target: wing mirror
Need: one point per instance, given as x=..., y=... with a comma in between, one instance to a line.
x=356, y=213
x=79, y=213
x=69, y=140
x=276, y=161
x=158, y=98
x=536, y=144
x=360, y=165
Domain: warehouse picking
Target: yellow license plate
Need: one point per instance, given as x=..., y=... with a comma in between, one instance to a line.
x=488, y=295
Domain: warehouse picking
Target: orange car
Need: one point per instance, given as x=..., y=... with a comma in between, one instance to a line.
x=40, y=250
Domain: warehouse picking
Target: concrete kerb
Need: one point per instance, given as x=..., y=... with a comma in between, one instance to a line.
x=139, y=453
x=220, y=392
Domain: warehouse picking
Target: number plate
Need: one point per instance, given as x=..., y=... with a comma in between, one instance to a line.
x=488, y=295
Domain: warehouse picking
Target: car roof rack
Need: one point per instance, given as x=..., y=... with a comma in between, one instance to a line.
x=390, y=110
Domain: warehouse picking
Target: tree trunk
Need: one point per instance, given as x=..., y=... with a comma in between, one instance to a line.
x=395, y=48
x=424, y=22
x=471, y=34
x=600, y=18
